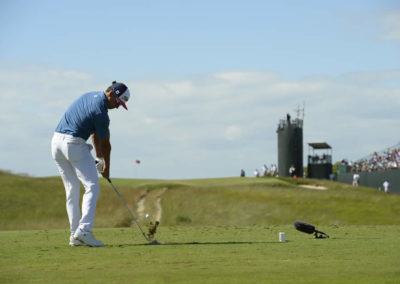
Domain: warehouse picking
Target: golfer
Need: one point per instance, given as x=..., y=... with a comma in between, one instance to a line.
x=87, y=116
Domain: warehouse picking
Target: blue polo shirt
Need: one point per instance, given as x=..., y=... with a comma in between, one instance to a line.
x=85, y=116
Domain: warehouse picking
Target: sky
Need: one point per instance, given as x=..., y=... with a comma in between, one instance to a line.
x=209, y=80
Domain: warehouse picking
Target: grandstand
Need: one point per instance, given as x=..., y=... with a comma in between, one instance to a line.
x=374, y=169
x=378, y=161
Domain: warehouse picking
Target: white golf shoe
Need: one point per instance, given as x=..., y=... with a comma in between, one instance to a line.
x=75, y=243
x=87, y=238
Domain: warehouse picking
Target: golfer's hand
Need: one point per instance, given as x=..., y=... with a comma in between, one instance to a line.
x=100, y=164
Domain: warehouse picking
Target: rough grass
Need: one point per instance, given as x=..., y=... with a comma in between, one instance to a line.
x=279, y=201
x=39, y=203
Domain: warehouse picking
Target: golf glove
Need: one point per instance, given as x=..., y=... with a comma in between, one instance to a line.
x=100, y=162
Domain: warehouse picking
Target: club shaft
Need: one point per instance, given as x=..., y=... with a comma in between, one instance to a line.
x=127, y=207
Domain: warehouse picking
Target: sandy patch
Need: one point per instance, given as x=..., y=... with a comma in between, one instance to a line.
x=158, y=214
x=317, y=187
x=141, y=207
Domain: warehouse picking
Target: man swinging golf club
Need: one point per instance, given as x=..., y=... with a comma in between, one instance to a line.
x=87, y=116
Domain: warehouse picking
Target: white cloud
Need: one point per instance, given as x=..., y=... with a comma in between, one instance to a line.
x=391, y=25
x=179, y=89
x=204, y=127
x=236, y=78
x=233, y=132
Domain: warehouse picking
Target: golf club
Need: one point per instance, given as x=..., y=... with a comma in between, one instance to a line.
x=130, y=211
x=309, y=229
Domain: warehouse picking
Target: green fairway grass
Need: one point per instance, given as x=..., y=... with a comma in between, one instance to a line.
x=211, y=254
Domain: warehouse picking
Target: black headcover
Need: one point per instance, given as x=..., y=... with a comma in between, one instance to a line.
x=304, y=227
x=309, y=229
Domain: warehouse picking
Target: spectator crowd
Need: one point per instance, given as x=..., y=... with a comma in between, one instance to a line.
x=389, y=159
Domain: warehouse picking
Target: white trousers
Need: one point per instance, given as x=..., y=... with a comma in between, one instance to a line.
x=76, y=164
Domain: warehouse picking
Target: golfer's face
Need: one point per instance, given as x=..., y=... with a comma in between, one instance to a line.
x=114, y=102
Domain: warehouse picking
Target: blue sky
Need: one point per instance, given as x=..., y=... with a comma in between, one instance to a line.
x=148, y=38
x=210, y=79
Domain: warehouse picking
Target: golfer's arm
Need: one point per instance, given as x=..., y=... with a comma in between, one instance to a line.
x=102, y=147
